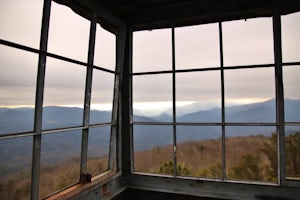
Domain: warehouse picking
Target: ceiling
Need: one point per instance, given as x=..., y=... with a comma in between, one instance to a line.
x=151, y=14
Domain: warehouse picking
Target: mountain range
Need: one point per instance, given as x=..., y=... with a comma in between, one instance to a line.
x=57, y=147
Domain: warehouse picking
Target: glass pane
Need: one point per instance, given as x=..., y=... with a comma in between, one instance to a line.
x=290, y=37
x=152, y=50
x=250, y=95
x=17, y=89
x=60, y=161
x=198, y=96
x=248, y=42
x=68, y=37
x=292, y=149
x=153, y=149
x=291, y=93
x=15, y=168
x=152, y=97
x=105, y=49
x=102, y=97
x=20, y=21
x=251, y=153
x=98, y=150
x=64, y=94
x=197, y=46
x=199, y=151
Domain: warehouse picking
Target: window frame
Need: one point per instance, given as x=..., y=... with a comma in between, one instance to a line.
x=37, y=132
x=279, y=96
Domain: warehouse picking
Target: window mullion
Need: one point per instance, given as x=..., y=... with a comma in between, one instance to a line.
x=174, y=102
x=223, y=102
x=37, y=139
x=87, y=100
x=279, y=96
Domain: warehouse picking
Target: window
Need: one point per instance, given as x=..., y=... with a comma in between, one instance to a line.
x=55, y=105
x=220, y=122
x=291, y=69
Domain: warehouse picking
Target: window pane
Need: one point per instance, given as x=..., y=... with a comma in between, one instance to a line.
x=292, y=149
x=251, y=153
x=60, y=161
x=64, y=94
x=248, y=42
x=98, y=150
x=152, y=50
x=152, y=97
x=20, y=21
x=198, y=96
x=290, y=37
x=197, y=46
x=102, y=97
x=199, y=151
x=15, y=168
x=17, y=89
x=105, y=49
x=153, y=149
x=68, y=37
x=250, y=95
x=291, y=93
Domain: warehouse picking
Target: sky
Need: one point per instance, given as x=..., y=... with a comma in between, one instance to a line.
x=245, y=42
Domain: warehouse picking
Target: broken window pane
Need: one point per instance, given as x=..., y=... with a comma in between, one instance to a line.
x=152, y=50
x=197, y=46
x=60, y=161
x=199, y=151
x=153, y=149
x=251, y=153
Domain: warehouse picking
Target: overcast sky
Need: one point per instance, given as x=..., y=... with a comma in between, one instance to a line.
x=245, y=43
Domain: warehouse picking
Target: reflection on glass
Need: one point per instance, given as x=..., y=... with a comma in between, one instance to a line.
x=248, y=42
x=60, y=161
x=68, y=37
x=15, y=168
x=64, y=94
x=199, y=151
x=152, y=97
x=251, y=153
x=197, y=46
x=17, y=89
x=290, y=37
x=98, y=150
x=102, y=97
x=20, y=21
x=153, y=150
x=198, y=96
x=292, y=149
x=250, y=95
x=291, y=93
x=105, y=49
x=152, y=50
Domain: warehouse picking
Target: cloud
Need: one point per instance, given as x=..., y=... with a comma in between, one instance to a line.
x=245, y=43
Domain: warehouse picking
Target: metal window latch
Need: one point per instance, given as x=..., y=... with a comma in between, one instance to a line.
x=86, y=178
